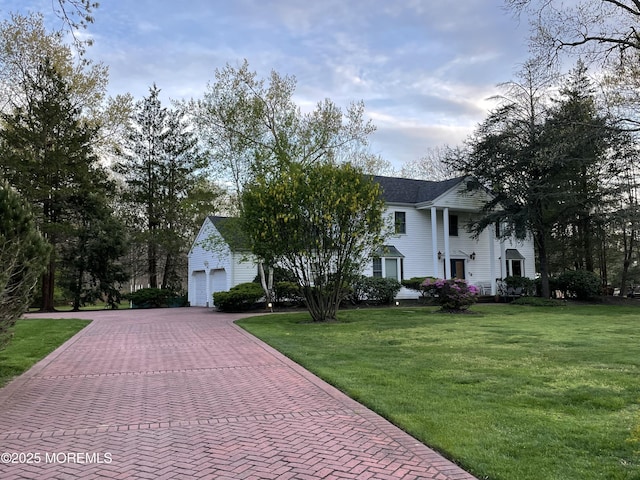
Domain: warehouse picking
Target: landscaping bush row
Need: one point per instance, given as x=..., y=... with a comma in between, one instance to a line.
x=156, y=298
x=369, y=290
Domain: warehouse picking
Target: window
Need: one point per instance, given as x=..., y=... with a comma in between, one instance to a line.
x=377, y=267
x=401, y=222
x=453, y=225
x=515, y=269
x=388, y=262
x=391, y=267
x=515, y=265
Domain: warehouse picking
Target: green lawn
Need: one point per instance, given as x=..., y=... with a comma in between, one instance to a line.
x=513, y=392
x=33, y=340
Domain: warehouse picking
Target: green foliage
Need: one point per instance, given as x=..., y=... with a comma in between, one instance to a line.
x=240, y=298
x=375, y=290
x=318, y=221
x=453, y=295
x=163, y=167
x=526, y=285
x=156, y=298
x=48, y=157
x=23, y=257
x=254, y=127
x=580, y=284
x=91, y=257
x=538, y=302
x=414, y=283
x=287, y=291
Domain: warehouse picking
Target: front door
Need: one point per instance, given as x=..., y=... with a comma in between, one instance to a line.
x=457, y=268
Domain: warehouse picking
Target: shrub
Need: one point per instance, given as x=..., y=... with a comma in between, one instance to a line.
x=452, y=295
x=287, y=291
x=538, y=302
x=581, y=284
x=375, y=290
x=526, y=285
x=156, y=298
x=240, y=298
x=414, y=283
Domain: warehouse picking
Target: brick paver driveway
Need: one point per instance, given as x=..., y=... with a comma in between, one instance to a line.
x=184, y=393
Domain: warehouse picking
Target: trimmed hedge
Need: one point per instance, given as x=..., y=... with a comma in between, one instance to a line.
x=156, y=298
x=376, y=290
x=240, y=298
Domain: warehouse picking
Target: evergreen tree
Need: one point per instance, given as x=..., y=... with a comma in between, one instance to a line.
x=23, y=256
x=48, y=158
x=91, y=256
x=163, y=169
x=579, y=139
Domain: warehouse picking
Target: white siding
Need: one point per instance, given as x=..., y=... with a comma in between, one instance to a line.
x=245, y=269
x=416, y=246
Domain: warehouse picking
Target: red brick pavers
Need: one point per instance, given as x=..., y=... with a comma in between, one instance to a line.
x=185, y=393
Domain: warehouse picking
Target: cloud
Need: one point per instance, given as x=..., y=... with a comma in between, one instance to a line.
x=423, y=69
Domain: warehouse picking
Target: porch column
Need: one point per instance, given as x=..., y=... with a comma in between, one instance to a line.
x=492, y=260
x=434, y=240
x=447, y=253
x=207, y=274
x=503, y=259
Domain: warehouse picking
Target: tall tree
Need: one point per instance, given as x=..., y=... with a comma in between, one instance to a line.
x=580, y=139
x=255, y=131
x=253, y=126
x=507, y=156
x=163, y=167
x=48, y=157
x=23, y=257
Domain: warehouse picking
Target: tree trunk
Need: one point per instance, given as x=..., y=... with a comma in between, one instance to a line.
x=266, y=282
x=541, y=243
x=152, y=270
x=628, y=244
x=48, y=285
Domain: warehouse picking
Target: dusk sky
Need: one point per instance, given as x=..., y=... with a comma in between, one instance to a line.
x=424, y=68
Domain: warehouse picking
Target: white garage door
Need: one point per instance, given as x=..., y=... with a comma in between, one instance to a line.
x=219, y=281
x=200, y=282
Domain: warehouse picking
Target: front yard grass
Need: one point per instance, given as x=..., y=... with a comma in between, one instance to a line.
x=512, y=392
x=34, y=339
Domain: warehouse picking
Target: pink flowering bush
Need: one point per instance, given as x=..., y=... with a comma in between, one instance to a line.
x=452, y=295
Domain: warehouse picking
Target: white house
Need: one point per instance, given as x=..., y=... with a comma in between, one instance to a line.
x=430, y=239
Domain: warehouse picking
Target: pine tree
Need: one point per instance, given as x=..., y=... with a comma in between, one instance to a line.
x=48, y=158
x=163, y=166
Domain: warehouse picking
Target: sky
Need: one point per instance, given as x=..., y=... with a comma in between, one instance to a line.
x=425, y=69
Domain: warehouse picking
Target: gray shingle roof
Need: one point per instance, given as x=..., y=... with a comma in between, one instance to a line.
x=406, y=190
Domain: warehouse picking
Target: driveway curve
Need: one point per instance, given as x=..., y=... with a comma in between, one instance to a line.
x=183, y=394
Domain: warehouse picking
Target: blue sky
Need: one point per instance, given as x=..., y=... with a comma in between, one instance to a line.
x=424, y=68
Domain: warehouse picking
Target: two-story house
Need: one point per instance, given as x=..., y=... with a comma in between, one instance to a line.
x=429, y=238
